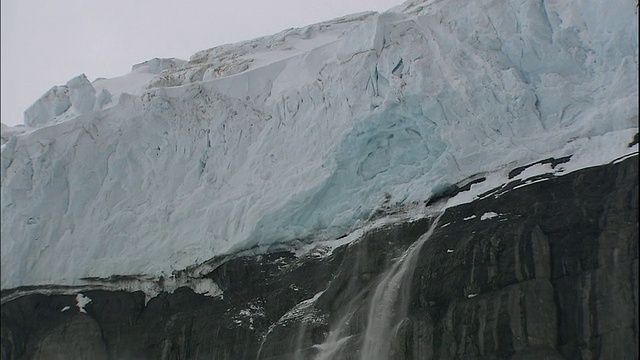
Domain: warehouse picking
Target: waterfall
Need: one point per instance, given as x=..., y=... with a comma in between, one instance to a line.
x=390, y=301
x=334, y=346
x=387, y=309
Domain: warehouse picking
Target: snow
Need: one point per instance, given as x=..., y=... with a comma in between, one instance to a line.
x=301, y=310
x=81, y=302
x=585, y=153
x=151, y=286
x=207, y=287
x=79, y=96
x=488, y=215
x=247, y=316
x=7, y=132
x=53, y=103
x=137, y=81
x=308, y=134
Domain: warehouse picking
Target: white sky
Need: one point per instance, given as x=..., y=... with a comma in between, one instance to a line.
x=46, y=43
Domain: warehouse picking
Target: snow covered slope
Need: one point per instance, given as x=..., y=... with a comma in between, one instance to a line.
x=305, y=134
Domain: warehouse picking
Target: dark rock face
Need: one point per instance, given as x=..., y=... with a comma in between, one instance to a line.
x=557, y=270
x=553, y=274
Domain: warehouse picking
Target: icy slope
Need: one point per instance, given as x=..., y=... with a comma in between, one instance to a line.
x=304, y=134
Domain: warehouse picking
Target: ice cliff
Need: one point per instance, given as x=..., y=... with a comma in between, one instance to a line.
x=306, y=134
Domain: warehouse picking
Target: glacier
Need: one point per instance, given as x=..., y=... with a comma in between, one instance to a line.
x=306, y=135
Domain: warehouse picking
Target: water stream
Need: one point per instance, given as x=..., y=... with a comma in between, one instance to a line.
x=387, y=310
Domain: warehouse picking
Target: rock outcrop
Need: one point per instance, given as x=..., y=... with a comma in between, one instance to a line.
x=543, y=271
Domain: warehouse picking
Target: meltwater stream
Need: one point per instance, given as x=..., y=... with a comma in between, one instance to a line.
x=387, y=309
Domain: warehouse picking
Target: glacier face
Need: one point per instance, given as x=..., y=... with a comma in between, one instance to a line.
x=304, y=134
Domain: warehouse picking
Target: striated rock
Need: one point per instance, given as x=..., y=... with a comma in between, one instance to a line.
x=552, y=275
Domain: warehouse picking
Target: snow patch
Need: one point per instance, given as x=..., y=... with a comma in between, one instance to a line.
x=81, y=302
x=488, y=215
x=584, y=152
x=152, y=286
x=300, y=310
x=247, y=316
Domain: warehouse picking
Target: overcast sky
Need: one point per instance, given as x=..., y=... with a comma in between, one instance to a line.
x=46, y=43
